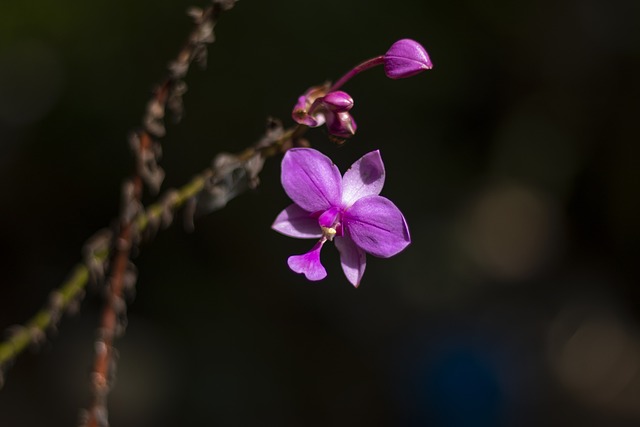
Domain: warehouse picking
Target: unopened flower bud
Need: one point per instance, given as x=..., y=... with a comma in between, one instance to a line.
x=341, y=125
x=338, y=101
x=406, y=58
x=314, y=109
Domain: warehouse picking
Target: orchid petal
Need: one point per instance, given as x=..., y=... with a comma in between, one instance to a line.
x=311, y=179
x=301, y=111
x=307, y=120
x=296, y=222
x=309, y=264
x=352, y=258
x=364, y=178
x=376, y=225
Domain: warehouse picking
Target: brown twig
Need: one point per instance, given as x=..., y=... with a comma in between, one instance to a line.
x=147, y=153
x=229, y=176
x=212, y=189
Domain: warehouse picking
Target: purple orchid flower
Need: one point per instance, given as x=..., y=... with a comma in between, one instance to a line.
x=347, y=210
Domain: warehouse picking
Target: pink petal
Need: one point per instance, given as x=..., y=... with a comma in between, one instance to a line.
x=300, y=115
x=311, y=179
x=376, y=225
x=364, y=178
x=302, y=108
x=296, y=222
x=352, y=258
x=309, y=264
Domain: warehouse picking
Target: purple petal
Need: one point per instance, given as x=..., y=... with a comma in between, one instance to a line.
x=376, y=225
x=352, y=258
x=311, y=179
x=296, y=222
x=303, y=110
x=309, y=264
x=301, y=115
x=307, y=120
x=406, y=58
x=364, y=178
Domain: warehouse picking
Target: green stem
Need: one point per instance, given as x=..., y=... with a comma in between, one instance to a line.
x=43, y=319
x=71, y=289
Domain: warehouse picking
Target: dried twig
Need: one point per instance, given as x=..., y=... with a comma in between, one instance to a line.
x=210, y=190
x=146, y=148
x=66, y=298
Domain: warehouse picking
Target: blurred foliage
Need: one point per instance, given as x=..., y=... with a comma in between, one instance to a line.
x=515, y=161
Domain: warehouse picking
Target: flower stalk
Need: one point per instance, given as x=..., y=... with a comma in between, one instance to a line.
x=364, y=66
x=343, y=218
x=146, y=223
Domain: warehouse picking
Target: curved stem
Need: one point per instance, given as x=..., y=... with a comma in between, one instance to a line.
x=370, y=63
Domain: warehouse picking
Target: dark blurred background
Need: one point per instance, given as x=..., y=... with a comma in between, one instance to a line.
x=515, y=162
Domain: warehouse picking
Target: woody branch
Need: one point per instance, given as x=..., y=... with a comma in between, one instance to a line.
x=147, y=152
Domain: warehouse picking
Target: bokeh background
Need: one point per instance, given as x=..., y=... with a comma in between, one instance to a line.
x=515, y=161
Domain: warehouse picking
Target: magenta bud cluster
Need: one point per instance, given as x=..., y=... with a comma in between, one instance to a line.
x=316, y=108
x=328, y=105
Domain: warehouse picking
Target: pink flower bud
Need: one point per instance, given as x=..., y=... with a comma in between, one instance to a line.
x=341, y=125
x=406, y=58
x=338, y=101
x=314, y=109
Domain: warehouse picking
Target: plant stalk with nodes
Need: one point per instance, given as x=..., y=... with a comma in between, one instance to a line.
x=327, y=206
